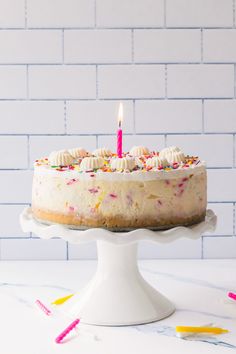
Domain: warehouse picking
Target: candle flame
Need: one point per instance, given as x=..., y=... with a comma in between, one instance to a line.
x=120, y=114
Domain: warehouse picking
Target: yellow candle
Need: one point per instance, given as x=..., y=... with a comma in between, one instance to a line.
x=191, y=329
x=62, y=300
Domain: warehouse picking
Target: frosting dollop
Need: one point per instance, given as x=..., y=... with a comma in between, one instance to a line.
x=123, y=163
x=139, y=151
x=78, y=152
x=91, y=163
x=60, y=158
x=172, y=154
x=157, y=161
x=103, y=152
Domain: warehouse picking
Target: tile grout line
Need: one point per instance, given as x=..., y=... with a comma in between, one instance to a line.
x=26, y=14
x=95, y=14
x=100, y=28
x=166, y=81
x=134, y=117
x=63, y=46
x=202, y=247
x=203, y=116
x=27, y=82
x=65, y=117
x=96, y=82
x=28, y=151
x=132, y=46
x=233, y=13
x=164, y=25
x=234, y=219
x=234, y=151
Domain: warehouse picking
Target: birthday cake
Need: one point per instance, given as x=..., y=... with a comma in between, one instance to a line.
x=142, y=189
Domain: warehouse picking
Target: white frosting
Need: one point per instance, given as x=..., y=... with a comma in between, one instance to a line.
x=60, y=158
x=172, y=154
x=103, y=152
x=78, y=152
x=157, y=161
x=91, y=163
x=123, y=163
x=139, y=151
x=120, y=176
x=139, y=162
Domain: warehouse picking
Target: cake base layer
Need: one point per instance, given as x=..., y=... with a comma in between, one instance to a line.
x=117, y=222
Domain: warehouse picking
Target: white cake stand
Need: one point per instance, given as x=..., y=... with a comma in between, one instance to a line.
x=118, y=294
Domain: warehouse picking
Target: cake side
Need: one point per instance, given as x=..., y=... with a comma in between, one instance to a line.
x=139, y=195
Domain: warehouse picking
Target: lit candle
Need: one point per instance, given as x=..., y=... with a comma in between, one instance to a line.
x=119, y=131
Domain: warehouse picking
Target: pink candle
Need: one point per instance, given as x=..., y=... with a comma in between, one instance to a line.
x=119, y=131
x=119, y=142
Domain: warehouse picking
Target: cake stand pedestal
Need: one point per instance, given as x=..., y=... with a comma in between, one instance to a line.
x=118, y=294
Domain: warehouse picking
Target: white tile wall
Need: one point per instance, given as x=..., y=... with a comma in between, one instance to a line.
x=36, y=46
x=221, y=185
x=40, y=145
x=225, y=218
x=11, y=229
x=94, y=46
x=131, y=13
x=154, y=142
x=220, y=153
x=208, y=80
x=12, y=13
x=15, y=186
x=220, y=116
x=64, y=67
x=219, y=45
x=60, y=13
x=32, y=117
x=84, y=117
x=171, y=45
x=56, y=81
x=128, y=81
x=33, y=249
x=15, y=152
x=219, y=247
x=13, y=82
x=199, y=13
x=182, y=248
x=168, y=116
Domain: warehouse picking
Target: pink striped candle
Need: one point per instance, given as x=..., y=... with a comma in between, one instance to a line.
x=119, y=131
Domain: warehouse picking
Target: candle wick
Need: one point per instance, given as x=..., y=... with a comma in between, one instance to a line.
x=119, y=124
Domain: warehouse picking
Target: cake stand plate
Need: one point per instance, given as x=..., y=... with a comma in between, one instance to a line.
x=118, y=294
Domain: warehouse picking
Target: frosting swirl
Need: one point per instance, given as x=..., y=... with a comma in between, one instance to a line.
x=172, y=154
x=123, y=163
x=157, y=161
x=60, y=158
x=139, y=151
x=78, y=152
x=91, y=163
x=103, y=152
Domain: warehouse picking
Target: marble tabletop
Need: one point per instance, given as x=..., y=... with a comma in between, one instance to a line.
x=198, y=289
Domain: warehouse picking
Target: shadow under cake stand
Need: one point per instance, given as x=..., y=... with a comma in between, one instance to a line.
x=117, y=294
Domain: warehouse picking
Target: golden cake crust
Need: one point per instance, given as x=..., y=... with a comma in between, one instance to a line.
x=117, y=222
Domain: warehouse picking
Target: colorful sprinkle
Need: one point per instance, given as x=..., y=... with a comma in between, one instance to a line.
x=113, y=195
x=93, y=190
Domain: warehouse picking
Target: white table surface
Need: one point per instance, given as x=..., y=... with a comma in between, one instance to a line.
x=197, y=287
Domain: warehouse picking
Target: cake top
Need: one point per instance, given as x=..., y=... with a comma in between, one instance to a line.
x=139, y=158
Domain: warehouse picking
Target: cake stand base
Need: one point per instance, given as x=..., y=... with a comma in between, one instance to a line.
x=118, y=294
